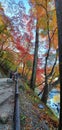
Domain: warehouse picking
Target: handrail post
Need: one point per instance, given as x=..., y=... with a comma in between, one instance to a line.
x=16, y=108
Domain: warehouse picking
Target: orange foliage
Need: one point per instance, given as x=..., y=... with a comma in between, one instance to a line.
x=55, y=41
x=40, y=76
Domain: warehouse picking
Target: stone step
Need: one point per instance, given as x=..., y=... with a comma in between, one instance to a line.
x=2, y=88
x=8, y=107
x=2, y=84
x=4, y=97
x=6, y=104
x=5, y=80
x=5, y=90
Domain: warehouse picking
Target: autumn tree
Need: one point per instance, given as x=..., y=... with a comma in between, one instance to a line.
x=48, y=28
x=6, y=42
x=34, y=16
x=4, y=33
x=33, y=77
x=42, y=8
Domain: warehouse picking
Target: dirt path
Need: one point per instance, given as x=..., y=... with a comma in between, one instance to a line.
x=32, y=117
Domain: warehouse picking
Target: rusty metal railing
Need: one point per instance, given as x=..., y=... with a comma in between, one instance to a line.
x=16, y=108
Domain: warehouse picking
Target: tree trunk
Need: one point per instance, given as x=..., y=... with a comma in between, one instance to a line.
x=45, y=93
x=33, y=77
x=58, y=4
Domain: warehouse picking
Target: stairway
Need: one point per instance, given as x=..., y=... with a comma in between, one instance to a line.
x=6, y=104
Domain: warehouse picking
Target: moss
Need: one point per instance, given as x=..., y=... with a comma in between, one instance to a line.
x=22, y=118
x=51, y=114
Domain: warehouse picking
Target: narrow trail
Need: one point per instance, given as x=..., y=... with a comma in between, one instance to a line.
x=6, y=104
x=32, y=117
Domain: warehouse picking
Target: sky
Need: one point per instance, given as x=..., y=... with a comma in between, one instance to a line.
x=6, y=4
x=25, y=4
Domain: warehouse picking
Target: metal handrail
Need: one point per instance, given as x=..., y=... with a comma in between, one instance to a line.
x=16, y=108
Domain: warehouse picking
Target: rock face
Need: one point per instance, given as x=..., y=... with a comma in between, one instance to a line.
x=4, y=118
